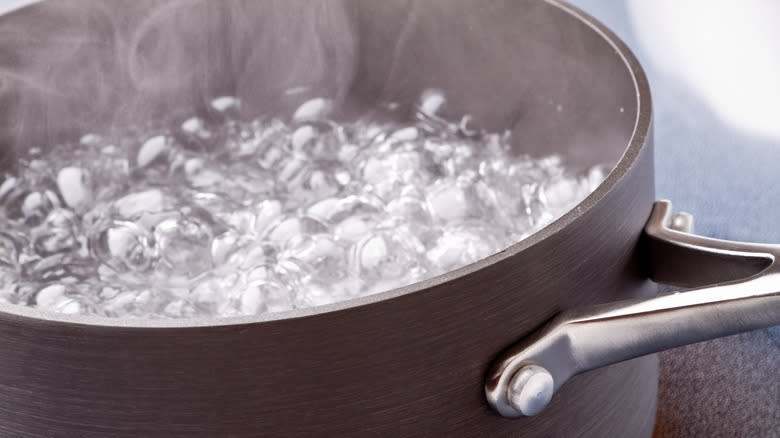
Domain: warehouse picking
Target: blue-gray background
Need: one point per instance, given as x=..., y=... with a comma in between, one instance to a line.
x=714, y=162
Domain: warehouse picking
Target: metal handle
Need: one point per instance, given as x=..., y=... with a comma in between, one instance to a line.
x=524, y=378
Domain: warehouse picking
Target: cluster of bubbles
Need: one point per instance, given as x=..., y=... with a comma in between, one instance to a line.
x=222, y=216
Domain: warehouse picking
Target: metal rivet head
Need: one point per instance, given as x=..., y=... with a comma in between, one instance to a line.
x=530, y=390
x=682, y=222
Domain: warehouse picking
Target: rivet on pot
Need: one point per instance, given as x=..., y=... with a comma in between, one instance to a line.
x=682, y=222
x=530, y=390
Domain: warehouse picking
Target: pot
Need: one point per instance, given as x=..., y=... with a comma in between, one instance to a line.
x=457, y=355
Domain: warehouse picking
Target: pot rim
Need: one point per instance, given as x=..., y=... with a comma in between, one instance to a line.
x=636, y=143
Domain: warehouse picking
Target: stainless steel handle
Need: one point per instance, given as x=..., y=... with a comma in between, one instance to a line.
x=524, y=378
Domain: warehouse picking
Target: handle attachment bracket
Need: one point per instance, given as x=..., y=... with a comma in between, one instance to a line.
x=744, y=295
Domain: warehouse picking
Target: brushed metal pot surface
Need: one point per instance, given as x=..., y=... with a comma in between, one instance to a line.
x=407, y=362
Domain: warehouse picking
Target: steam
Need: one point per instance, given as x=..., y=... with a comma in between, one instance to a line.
x=72, y=66
x=69, y=67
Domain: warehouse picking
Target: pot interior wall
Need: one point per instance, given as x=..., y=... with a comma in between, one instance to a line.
x=75, y=66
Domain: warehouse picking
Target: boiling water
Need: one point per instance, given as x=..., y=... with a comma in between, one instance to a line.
x=219, y=216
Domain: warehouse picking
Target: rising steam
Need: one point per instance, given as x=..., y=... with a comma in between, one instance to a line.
x=73, y=66
x=70, y=66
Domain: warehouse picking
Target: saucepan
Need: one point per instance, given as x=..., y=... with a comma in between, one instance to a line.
x=551, y=337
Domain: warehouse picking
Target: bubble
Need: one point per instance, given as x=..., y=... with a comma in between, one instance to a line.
x=58, y=233
x=179, y=308
x=248, y=182
x=243, y=221
x=216, y=294
x=388, y=173
x=314, y=294
x=184, y=244
x=129, y=303
x=265, y=297
x=462, y=245
x=56, y=298
x=325, y=209
x=49, y=268
x=267, y=134
x=135, y=204
x=108, y=292
x=376, y=171
x=302, y=137
x=536, y=214
x=202, y=176
x=465, y=127
x=268, y=212
x=74, y=185
x=207, y=296
x=323, y=256
x=347, y=152
x=216, y=202
x=195, y=126
x=313, y=109
x=342, y=176
x=152, y=149
x=379, y=256
x=306, y=181
x=113, y=166
x=272, y=156
x=124, y=246
x=412, y=238
x=409, y=208
x=50, y=296
x=431, y=101
x=559, y=194
x=448, y=201
x=292, y=175
x=354, y=228
x=90, y=140
x=36, y=206
x=224, y=246
x=268, y=289
x=595, y=176
x=8, y=185
x=193, y=134
x=409, y=133
x=289, y=227
x=225, y=104
x=335, y=210
x=253, y=255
